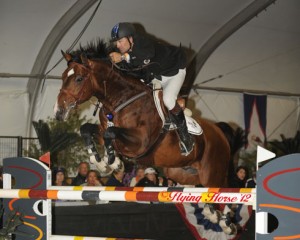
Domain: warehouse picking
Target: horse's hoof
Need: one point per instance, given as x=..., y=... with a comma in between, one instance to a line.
x=117, y=165
x=109, y=157
x=102, y=166
x=229, y=230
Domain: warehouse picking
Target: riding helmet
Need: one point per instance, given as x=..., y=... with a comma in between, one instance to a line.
x=120, y=30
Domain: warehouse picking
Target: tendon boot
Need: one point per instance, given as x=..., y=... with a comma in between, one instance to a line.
x=109, y=136
x=110, y=154
x=186, y=140
x=93, y=153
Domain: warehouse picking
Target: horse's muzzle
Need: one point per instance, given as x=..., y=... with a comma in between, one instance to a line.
x=59, y=115
x=62, y=113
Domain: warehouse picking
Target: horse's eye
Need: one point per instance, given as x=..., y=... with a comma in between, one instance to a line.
x=78, y=79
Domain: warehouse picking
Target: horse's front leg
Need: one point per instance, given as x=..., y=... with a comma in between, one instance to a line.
x=112, y=160
x=89, y=132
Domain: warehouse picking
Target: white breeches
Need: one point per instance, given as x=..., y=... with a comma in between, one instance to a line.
x=171, y=87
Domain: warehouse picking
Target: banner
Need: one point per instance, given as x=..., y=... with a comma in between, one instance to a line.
x=255, y=118
x=215, y=221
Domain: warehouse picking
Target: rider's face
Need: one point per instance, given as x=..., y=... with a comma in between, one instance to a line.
x=124, y=44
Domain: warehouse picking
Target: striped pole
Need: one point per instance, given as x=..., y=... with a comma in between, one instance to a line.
x=153, y=189
x=244, y=197
x=62, y=237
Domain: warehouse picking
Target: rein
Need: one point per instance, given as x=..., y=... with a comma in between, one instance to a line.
x=132, y=69
x=130, y=100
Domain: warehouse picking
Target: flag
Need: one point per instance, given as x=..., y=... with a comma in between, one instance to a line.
x=263, y=155
x=203, y=228
x=45, y=158
x=255, y=118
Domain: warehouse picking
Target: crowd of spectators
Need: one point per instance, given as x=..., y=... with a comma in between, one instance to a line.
x=141, y=177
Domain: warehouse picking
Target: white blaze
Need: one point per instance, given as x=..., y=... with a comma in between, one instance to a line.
x=71, y=72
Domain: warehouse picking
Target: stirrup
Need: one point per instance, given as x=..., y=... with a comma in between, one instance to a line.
x=183, y=149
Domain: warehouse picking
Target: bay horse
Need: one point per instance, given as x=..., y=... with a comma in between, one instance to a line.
x=137, y=130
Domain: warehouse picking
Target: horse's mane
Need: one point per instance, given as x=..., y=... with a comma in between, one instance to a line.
x=93, y=50
x=99, y=50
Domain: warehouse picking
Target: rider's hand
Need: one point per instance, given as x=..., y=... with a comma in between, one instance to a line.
x=115, y=57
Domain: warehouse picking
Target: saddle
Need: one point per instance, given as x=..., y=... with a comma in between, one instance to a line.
x=192, y=125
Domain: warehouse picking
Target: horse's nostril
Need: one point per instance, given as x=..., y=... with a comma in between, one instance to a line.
x=59, y=115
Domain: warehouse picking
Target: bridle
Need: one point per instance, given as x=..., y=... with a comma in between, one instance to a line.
x=81, y=92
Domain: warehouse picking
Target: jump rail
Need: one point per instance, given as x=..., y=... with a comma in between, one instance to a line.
x=62, y=237
x=132, y=196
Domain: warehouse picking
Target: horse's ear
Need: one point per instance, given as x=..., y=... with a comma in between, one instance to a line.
x=67, y=56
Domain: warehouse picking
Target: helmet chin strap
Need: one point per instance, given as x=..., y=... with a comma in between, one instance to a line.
x=130, y=44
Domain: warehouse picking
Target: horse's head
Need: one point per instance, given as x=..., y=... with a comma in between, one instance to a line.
x=76, y=87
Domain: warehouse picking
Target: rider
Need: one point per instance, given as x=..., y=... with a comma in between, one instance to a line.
x=155, y=60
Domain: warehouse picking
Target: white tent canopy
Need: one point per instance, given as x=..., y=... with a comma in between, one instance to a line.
x=262, y=55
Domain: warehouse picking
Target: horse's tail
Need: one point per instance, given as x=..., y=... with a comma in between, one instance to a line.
x=236, y=139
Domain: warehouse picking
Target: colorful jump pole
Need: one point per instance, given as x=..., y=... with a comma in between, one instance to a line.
x=131, y=196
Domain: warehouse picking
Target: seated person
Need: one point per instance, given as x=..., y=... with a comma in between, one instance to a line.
x=92, y=179
x=171, y=182
x=83, y=169
x=139, y=174
x=150, y=179
x=240, y=177
x=115, y=179
x=251, y=182
x=59, y=177
x=162, y=181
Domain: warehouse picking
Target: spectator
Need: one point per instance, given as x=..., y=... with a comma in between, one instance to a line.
x=171, y=182
x=59, y=177
x=150, y=179
x=162, y=181
x=83, y=169
x=139, y=174
x=239, y=180
x=129, y=173
x=115, y=179
x=251, y=182
x=92, y=179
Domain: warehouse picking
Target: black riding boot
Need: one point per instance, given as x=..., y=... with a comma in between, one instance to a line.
x=187, y=141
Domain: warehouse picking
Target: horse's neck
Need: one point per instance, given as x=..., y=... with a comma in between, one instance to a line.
x=112, y=88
